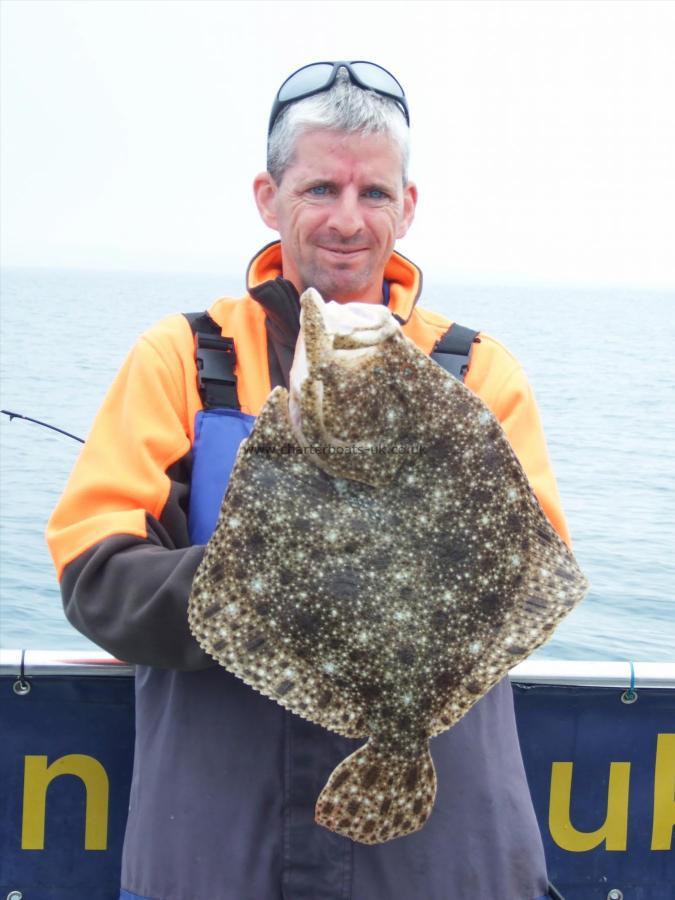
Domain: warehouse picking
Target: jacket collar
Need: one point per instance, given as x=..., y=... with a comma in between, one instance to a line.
x=404, y=277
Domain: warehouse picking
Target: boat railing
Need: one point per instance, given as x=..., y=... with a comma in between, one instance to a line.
x=589, y=673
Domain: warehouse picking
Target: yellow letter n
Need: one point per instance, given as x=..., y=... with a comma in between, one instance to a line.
x=37, y=778
x=614, y=830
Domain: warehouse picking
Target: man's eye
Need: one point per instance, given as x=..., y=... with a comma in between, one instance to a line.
x=319, y=190
x=375, y=194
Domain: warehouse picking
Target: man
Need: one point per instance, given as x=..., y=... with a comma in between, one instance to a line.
x=224, y=783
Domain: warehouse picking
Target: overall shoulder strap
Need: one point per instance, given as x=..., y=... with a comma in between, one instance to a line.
x=453, y=351
x=215, y=358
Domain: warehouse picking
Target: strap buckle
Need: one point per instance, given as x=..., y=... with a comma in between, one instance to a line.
x=453, y=351
x=216, y=359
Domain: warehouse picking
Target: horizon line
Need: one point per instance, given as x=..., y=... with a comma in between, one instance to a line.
x=464, y=280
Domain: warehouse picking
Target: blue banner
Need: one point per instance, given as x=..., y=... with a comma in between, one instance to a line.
x=65, y=771
x=602, y=775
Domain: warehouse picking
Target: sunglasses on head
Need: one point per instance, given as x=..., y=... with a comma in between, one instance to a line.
x=320, y=76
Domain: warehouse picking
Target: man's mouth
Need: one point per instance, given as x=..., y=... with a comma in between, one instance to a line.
x=345, y=252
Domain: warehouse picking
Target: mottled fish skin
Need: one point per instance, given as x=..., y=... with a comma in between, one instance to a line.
x=379, y=594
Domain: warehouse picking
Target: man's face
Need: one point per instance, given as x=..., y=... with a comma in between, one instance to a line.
x=339, y=209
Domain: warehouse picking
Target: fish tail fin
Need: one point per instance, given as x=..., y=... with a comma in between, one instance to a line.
x=373, y=797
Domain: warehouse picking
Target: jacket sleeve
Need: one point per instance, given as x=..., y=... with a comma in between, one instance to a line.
x=119, y=534
x=515, y=407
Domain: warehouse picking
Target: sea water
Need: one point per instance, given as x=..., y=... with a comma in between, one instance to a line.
x=600, y=363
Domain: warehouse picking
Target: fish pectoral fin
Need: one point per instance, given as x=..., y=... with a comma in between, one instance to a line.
x=373, y=797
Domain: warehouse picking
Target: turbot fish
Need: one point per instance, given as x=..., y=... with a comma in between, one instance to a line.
x=380, y=561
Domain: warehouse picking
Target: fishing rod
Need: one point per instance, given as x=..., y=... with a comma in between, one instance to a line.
x=15, y=415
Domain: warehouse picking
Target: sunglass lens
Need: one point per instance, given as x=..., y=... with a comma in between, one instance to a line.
x=377, y=78
x=305, y=80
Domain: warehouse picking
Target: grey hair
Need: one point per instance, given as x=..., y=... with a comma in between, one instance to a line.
x=345, y=107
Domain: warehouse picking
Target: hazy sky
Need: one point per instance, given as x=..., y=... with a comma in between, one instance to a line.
x=543, y=132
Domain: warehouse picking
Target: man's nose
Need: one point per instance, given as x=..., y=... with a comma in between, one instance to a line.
x=346, y=215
